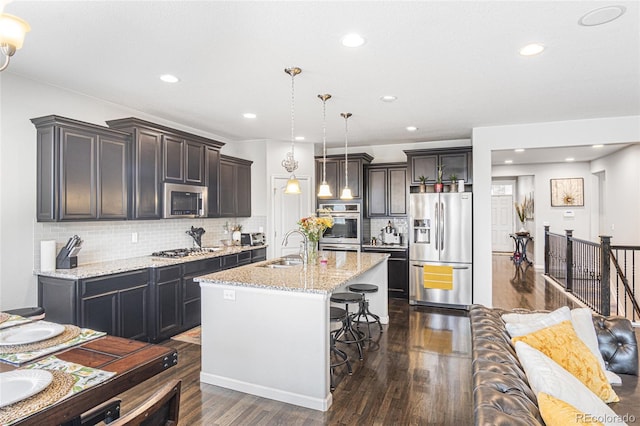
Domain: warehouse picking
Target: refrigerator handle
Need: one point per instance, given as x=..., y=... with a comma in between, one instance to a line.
x=442, y=226
x=436, y=215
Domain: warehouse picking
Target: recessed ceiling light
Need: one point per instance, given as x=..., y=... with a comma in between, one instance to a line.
x=352, y=40
x=249, y=115
x=168, y=78
x=569, y=159
x=411, y=128
x=601, y=16
x=508, y=161
x=598, y=146
x=388, y=98
x=532, y=49
x=299, y=138
x=519, y=150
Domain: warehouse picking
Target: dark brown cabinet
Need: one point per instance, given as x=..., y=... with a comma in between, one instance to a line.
x=335, y=167
x=456, y=161
x=385, y=191
x=212, y=179
x=235, y=187
x=184, y=161
x=397, y=270
x=82, y=171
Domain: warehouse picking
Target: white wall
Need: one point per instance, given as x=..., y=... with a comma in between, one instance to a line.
x=22, y=99
x=538, y=135
x=394, y=153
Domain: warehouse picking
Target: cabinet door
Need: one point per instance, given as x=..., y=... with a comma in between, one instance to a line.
x=194, y=154
x=190, y=303
x=354, y=175
x=147, y=180
x=227, y=192
x=454, y=164
x=173, y=153
x=213, y=182
x=132, y=308
x=113, y=187
x=397, y=191
x=78, y=186
x=377, y=192
x=168, y=307
x=100, y=313
x=424, y=165
x=243, y=190
x=46, y=186
x=398, y=278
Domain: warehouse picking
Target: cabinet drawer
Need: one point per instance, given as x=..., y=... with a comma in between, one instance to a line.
x=244, y=257
x=201, y=267
x=111, y=283
x=259, y=255
x=168, y=273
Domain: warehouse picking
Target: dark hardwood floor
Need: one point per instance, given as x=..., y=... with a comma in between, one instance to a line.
x=417, y=373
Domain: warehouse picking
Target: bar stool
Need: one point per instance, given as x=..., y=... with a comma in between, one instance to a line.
x=363, y=310
x=337, y=315
x=342, y=336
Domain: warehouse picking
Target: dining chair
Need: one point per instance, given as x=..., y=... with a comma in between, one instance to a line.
x=162, y=408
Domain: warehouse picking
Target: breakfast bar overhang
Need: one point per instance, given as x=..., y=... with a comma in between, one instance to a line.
x=265, y=329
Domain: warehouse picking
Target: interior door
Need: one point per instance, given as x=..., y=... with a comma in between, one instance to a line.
x=287, y=211
x=501, y=222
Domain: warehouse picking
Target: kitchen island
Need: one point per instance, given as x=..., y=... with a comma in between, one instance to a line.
x=265, y=329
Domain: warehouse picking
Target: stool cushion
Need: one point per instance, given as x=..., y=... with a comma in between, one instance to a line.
x=346, y=297
x=363, y=288
x=27, y=312
x=337, y=314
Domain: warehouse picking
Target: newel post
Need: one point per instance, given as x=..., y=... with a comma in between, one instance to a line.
x=569, y=260
x=546, y=249
x=605, y=265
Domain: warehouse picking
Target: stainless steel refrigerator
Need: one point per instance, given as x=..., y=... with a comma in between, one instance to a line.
x=440, y=249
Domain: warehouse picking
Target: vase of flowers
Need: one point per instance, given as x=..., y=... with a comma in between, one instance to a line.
x=313, y=227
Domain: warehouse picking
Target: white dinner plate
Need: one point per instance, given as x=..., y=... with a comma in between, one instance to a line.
x=30, y=333
x=21, y=384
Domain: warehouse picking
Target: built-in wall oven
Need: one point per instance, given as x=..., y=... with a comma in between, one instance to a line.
x=344, y=235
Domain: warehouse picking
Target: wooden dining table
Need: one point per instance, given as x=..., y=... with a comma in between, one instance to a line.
x=131, y=360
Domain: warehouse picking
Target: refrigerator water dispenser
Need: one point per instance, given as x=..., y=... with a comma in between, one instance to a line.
x=422, y=231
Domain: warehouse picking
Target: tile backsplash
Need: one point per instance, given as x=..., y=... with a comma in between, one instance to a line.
x=113, y=240
x=373, y=227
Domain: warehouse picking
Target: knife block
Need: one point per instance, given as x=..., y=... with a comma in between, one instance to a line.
x=64, y=261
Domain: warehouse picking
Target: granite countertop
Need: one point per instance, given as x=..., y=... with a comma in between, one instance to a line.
x=124, y=265
x=340, y=268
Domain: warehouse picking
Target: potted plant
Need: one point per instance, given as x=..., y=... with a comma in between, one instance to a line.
x=454, y=182
x=423, y=183
x=439, y=185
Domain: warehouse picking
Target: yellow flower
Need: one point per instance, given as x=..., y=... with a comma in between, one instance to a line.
x=313, y=226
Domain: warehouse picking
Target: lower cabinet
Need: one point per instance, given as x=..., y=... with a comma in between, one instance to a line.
x=397, y=271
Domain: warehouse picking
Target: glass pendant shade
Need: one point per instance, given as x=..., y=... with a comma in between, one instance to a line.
x=293, y=186
x=346, y=194
x=325, y=190
x=13, y=30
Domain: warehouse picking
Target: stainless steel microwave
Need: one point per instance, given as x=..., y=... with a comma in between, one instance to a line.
x=184, y=201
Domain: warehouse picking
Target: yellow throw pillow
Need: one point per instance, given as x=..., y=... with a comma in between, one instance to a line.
x=556, y=412
x=561, y=343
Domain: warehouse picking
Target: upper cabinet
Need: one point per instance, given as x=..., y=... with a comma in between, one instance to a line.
x=455, y=161
x=235, y=187
x=161, y=154
x=386, y=193
x=335, y=167
x=82, y=170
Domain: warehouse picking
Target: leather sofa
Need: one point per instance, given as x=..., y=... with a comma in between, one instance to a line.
x=501, y=393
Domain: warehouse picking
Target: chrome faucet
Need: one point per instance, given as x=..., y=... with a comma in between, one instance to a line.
x=305, y=253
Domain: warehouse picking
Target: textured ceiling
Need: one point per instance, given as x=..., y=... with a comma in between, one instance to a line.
x=452, y=65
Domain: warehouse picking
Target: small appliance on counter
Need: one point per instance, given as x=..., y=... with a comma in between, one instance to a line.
x=390, y=235
x=67, y=258
x=252, y=239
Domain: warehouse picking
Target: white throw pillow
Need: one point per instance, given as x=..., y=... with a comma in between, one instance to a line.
x=583, y=324
x=521, y=324
x=545, y=375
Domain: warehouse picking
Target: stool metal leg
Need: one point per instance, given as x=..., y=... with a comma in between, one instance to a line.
x=357, y=336
x=364, y=311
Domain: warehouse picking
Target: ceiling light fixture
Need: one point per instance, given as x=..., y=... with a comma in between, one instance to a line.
x=352, y=40
x=299, y=138
x=168, y=78
x=249, y=115
x=12, y=32
x=289, y=163
x=569, y=159
x=346, y=191
x=508, y=161
x=598, y=146
x=411, y=128
x=601, y=16
x=325, y=190
x=532, y=49
x=519, y=150
x=388, y=98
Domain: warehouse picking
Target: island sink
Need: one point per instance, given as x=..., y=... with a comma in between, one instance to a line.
x=283, y=262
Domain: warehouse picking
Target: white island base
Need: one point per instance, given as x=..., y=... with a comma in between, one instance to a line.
x=272, y=342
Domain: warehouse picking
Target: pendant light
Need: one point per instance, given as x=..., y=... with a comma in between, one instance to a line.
x=346, y=191
x=289, y=163
x=325, y=190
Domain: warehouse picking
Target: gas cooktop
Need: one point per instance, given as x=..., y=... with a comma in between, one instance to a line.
x=185, y=252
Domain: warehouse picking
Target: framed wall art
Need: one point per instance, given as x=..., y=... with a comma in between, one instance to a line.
x=567, y=192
